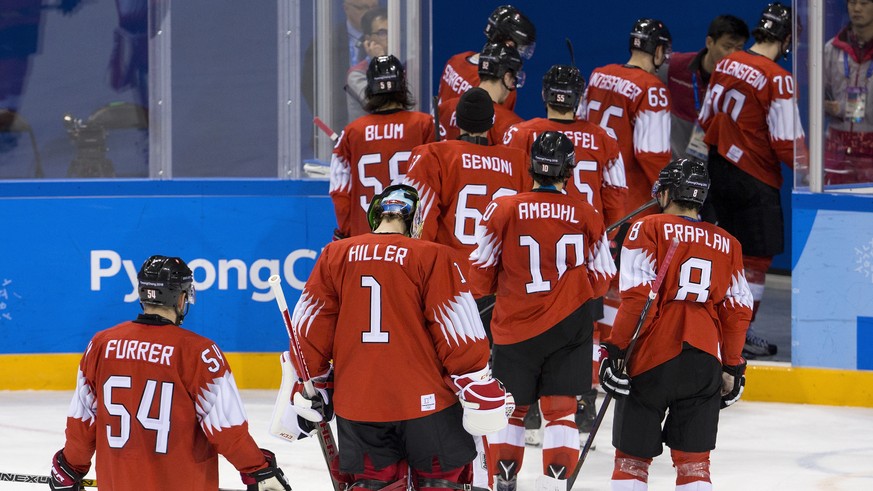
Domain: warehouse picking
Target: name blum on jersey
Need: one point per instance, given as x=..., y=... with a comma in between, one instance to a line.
x=388, y=131
x=532, y=211
x=615, y=84
x=106, y=264
x=693, y=233
x=484, y=162
x=455, y=81
x=392, y=253
x=741, y=71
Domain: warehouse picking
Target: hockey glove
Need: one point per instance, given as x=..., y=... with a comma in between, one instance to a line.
x=613, y=380
x=316, y=408
x=270, y=478
x=486, y=403
x=733, y=381
x=64, y=477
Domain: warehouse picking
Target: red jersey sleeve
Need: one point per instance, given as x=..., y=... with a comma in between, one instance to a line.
x=614, y=190
x=735, y=311
x=783, y=121
x=651, y=130
x=424, y=176
x=485, y=259
x=341, y=185
x=315, y=316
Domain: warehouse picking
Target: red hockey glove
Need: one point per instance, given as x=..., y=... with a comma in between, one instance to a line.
x=733, y=381
x=270, y=478
x=486, y=403
x=64, y=477
x=613, y=380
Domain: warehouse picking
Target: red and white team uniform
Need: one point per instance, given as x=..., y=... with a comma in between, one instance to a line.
x=632, y=105
x=704, y=300
x=462, y=72
x=757, y=132
x=564, y=237
x=362, y=308
x=133, y=380
x=456, y=180
x=370, y=155
x=503, y=119
x=544, y=254
x=598, y=177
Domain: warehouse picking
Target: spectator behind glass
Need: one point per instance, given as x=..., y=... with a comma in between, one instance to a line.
x=848, y=72
x=375, y=43
x=687, y=76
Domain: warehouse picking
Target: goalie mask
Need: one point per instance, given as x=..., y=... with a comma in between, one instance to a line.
x=563, y=87
x=399, y=200
x=385, y=75
x=685, y=180
x=508, y=23
x=648, y=34
x=162, y=280
x=552, y=155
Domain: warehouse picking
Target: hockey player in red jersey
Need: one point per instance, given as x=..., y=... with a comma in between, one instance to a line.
x=686, y=363
x=506, y=25
x=381, y=305
x=500, y=74
x=598, y=179
x=752, y=123
x=456, y=180
x=158, y=403
x=631, y=103
x=546, y=256
x=373, y=150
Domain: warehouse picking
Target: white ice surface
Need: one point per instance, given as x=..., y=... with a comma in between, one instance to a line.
x=761, y=446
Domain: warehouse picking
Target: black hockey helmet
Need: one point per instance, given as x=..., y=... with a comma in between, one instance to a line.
x=685, y=180
x=552, y=155
x=496, y=59
x=385, y=75
x=508, y=23
x=775, y=21
x=563, y=86
x=398, y=199
x=162, y=279
x=647, y=34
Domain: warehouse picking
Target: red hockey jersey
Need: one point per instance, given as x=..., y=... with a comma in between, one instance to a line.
x=503, y=119
x=544, y=254
x=633, y=106
x=598, y=177
x=158, y=403
x=370, y=155
x=704, y=300
x=456, y=180
x=750, y=114
x=396, y=316
x=462, y=72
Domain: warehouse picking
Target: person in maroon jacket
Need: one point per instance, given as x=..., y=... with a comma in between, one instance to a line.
x=687, y=77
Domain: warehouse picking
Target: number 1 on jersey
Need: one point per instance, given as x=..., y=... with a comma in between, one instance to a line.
x=375, y=334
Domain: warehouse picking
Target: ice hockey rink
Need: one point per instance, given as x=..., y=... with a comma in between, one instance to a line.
x=761, y=446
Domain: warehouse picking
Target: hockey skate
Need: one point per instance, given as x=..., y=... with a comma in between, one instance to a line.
x=556, y=480
x=757, y=346
x=533, y=421
x=586, y=413
x=507, y=476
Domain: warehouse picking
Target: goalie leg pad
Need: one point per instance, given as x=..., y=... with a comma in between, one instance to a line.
x=283, y=423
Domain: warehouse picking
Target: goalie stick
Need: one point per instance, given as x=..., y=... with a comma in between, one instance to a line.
x=34, y=479
x=324, y=432
x=653, y=293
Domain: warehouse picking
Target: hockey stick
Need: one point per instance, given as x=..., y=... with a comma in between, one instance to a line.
x=644, y=207
x=436, y=118
x=325, y=433
x=33, y=479
x=325, y=128
x=653, y=293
